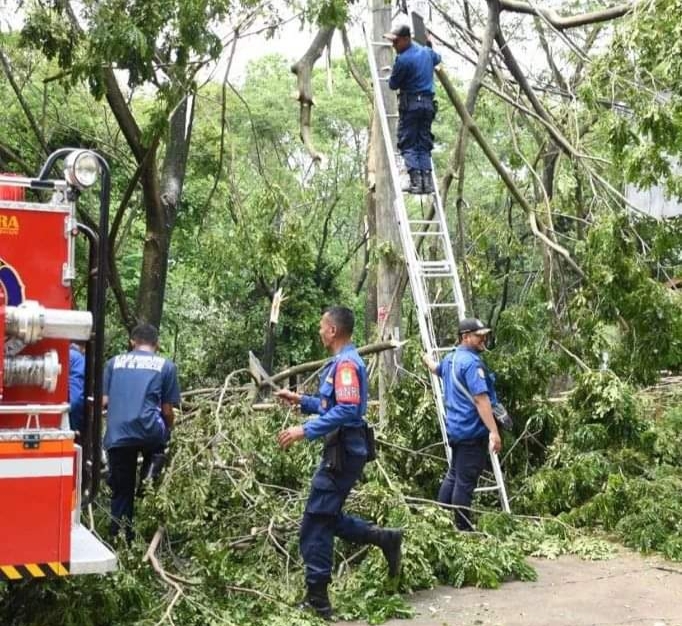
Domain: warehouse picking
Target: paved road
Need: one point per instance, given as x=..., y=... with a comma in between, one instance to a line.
x=628, y=590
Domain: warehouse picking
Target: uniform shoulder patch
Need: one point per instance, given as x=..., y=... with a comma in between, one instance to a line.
x=347, y=383
x=481, y=372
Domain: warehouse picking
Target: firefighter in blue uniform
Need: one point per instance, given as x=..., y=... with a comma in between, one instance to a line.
x=412, y=74
x=340, y=406
x=76, y=386
x=140, y=390
x=471, y=426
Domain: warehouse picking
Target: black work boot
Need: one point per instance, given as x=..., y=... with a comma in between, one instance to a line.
x=390, y=541
x=427, y=182
x=317, y=600
x=415, y=182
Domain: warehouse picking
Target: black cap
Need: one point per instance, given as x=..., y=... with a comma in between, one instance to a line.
x=402, y=30
x=472, y=325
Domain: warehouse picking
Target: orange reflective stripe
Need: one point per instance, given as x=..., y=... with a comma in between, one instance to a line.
x=14, y=448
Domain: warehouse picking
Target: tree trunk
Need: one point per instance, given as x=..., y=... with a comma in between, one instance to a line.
x=161, y=205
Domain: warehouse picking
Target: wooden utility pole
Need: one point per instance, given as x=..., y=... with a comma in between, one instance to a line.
x=388, y=245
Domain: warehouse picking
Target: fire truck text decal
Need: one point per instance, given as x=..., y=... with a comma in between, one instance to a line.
x=9, y=225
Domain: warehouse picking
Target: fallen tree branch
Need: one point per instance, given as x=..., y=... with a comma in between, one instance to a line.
x=572, y=21
x=150, y=556
x=469, y=122
x=371, y=348
x=352, y=68
x=303, y=68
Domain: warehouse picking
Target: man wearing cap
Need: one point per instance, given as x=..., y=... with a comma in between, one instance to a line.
x=412, y=74
x=470, y=426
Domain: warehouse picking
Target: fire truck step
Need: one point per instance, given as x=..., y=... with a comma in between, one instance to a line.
x=88, y=554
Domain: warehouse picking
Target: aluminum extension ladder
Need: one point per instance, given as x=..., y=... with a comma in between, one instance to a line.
x=435, y=285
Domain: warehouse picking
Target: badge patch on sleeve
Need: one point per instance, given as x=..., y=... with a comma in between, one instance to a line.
x=481, y=372
x=346, y=384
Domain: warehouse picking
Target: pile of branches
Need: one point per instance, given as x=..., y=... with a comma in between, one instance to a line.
x=217, y=541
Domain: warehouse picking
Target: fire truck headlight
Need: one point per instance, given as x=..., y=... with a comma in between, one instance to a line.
x=81, y=168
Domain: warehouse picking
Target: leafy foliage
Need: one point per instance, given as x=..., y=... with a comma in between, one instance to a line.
x=613, y=467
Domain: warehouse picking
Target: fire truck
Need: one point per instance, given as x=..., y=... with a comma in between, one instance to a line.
x=48, y=472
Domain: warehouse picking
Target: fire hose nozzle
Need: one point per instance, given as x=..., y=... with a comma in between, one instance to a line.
x=31, y=322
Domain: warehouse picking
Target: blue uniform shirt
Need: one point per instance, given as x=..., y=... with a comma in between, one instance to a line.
x=413, y=70
x=137, y=384
x=462, y=420
x=341, y=399
x=76, y=388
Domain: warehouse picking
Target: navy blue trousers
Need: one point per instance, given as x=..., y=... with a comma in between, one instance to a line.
x=415, y=140
x=122, y=474
x=468, y=462
x=123, y=481
x=323, y=519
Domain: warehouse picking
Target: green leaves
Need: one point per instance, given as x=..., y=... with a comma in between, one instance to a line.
x=642, y=71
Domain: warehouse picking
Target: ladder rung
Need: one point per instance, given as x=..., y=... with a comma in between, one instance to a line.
x=447, y=349
x=482, y=489
x=381, y=43
x=435, y=269
x=423, y=221
x=426, y=233
x=392, y=114
x=384, y=78
x=443, y=305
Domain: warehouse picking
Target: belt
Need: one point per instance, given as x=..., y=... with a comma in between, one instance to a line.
x=353, y=429
x=417, y=94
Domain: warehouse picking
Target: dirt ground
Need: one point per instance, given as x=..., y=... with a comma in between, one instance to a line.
x=625, y=590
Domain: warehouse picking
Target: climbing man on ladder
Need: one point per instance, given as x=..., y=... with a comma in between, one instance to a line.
x=469, y=395
x=412, y=75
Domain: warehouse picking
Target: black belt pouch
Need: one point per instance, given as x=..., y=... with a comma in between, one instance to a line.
x=334, y=451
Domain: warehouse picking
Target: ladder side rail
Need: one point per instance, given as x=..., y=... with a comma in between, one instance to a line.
x=437, y=387
x=499, y=479
x=383, y=121
x=428, y=339
x=440, y=212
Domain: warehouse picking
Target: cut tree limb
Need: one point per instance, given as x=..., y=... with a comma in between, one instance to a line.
x=469, y=122
x=371, y=348
x=158, y=568
x=572, y=21
x=303, y=68
x=355, y=72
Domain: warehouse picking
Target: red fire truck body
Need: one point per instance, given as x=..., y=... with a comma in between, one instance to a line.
x=40, y=462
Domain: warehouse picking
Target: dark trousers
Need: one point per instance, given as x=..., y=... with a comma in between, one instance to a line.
x=122, y=479
x=468, y=462
x=323, y=519
x=415, y=140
